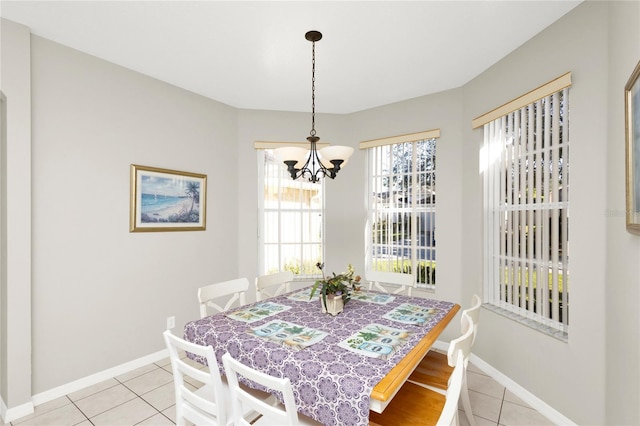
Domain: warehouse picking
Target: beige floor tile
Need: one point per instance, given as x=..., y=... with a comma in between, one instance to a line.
x=149, y=381
x=44, y=408
x=170, y=413
x=509, y=396
x=480, y=421
x=109, y=398
x=514, y=414
x=137, y=372
x=485, y=406
x=163, y=362
x=161, y=398
x=83, y=393
x=484, y=384
x=157, y=420
x=67, y=415
x=475, y=369
x=127, y=414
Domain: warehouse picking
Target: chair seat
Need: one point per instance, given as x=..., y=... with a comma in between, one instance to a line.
x=412, y=405
x=434, y=370
x=248, y=414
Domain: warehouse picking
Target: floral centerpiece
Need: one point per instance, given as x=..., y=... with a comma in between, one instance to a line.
x=335, y=290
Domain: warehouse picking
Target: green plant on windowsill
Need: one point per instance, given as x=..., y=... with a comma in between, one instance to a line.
x=340, y=285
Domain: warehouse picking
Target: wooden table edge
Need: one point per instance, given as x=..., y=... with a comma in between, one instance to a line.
x=394, y=379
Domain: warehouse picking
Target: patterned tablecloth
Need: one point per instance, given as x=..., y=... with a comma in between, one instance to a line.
x=331, y=383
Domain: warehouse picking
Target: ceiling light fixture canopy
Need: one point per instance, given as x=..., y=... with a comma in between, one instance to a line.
x=313, y=163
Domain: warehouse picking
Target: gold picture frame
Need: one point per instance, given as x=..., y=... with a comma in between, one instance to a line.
x=167, y=200
x=632, y=136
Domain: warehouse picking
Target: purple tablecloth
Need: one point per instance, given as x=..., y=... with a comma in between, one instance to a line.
x=331, y=384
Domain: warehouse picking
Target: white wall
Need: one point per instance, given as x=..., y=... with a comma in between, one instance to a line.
x=101, y=295
x=15, y=308
x=571, y=377
x=622, y=281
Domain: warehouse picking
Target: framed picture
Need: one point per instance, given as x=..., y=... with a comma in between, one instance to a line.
x=632, y=130
x=167, y=200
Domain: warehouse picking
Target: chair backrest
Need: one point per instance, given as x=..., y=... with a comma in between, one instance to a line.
x=266, y=284
x=206, y=404
x=390, y=282
x=474, y=314
x=229, y=291
x=462, y=343
x=242, y=400
x=449, y=415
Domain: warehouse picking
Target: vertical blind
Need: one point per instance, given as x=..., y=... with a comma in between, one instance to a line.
x=525, y=164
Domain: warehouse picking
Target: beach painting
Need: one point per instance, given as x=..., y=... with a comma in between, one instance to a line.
x=167, y=200
x=632, y=130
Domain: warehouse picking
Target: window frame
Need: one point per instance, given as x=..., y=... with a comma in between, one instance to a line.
x=263, y=149
x=426, y=276
x=526, y=214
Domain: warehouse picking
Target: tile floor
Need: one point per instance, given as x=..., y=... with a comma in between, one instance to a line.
x=145, y=397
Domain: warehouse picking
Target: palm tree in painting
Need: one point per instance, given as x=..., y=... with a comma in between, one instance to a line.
x=193, y=191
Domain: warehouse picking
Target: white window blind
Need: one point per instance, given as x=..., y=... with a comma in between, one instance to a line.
x=402, y=205
x=525, y=165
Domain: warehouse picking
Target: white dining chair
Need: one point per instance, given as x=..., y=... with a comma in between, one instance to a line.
x=208, y=403
x=391, y=282
x=435, y=373
x=203, y=405
x=416, y=405
x=222, y=296
x=449, y=415
x=434, y=368
x=272, y=285
x=241, y=400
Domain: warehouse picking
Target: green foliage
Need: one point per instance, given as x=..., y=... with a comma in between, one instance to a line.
x=191, y=216
x=298, y=268
x=338, y=285
x=426, y=273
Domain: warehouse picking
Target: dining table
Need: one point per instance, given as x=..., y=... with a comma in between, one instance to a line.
x=341, y=366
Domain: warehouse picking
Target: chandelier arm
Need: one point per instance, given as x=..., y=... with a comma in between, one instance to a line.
x=313, y=167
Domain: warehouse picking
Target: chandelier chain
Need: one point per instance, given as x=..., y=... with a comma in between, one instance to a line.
x=313, y=89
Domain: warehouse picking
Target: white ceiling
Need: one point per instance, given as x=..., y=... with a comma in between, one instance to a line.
x=254, y=54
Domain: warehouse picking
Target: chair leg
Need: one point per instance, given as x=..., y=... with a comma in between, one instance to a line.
x=466, y=403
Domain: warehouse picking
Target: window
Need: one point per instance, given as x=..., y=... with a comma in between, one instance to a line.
x=290, y=219
x=525, y=162
x=402, y=205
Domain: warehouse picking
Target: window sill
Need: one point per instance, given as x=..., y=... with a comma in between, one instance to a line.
x=563, y=336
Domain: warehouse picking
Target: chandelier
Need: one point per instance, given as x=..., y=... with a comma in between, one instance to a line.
x=313, y=164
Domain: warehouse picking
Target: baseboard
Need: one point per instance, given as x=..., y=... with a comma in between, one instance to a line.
x=441, y=346
x=526, y=396
x=14, y=413
x=93, y=379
